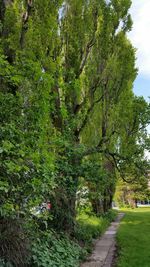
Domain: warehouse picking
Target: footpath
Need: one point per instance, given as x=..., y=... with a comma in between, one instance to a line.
x=105, y=247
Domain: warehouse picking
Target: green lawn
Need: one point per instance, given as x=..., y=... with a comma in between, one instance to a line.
x=133, y=239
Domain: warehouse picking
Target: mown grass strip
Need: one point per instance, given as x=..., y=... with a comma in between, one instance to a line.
x=133, y=239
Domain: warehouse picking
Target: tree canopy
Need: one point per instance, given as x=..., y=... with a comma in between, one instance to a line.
x=69, y=117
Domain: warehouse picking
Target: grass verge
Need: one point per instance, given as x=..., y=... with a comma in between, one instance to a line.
x=133, y=239
x=90, y=227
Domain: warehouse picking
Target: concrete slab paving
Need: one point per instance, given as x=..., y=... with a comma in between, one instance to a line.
x=92, y=264
x=104, y=250
x=110, y=232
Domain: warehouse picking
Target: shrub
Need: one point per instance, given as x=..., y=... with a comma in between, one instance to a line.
x=90, y=227
x=110, y=215
x=50, y=250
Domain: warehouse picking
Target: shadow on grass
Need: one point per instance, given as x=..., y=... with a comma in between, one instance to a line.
x=133, y=239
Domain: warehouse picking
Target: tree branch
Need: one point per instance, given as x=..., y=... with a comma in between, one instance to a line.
x=89, y=45
x=25, y=19
x=86, y=54
x=90, y=109
x=98, y=148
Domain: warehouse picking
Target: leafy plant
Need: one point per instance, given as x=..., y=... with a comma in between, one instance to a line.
x=51, y=250
x=90, y=227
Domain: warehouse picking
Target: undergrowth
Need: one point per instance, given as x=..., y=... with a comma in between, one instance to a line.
x=52, y=249
x=90, y=227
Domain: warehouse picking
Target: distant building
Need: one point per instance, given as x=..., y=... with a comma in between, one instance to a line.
x=143, y=203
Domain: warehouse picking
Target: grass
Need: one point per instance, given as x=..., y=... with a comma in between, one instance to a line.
x=133, y=239
x=90, y=227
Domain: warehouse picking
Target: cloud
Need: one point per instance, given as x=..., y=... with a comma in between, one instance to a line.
x=140, y=36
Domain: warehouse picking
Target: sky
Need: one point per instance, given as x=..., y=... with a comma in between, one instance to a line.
x=140, y=37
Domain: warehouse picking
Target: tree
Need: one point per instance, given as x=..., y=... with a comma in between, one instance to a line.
x=67, y=105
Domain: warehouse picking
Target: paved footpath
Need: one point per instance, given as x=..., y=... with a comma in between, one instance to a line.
x=104, y=250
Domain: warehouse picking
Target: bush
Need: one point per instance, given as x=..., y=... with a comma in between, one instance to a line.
x=50, y=250
x=90, y=227
x=110, y=215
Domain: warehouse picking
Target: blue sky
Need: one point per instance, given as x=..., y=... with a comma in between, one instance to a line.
x=140, y=38
x=142, y=86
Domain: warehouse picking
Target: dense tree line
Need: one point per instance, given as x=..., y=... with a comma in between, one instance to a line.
x=69, y=117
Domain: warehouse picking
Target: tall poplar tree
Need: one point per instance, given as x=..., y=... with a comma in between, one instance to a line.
x=66, y=73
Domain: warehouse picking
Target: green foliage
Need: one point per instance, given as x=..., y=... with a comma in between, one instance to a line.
x=69, y=118
x=90, y=227
x=52, y=250
x=127, y=194
x=110, y=215
x=24, y=172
